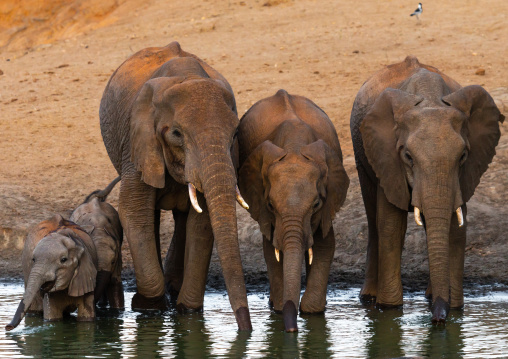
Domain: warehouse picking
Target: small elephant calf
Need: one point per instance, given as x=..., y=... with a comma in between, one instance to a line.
x=102, y=223
x=60, y=259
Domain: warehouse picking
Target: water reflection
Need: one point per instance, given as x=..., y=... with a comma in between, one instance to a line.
x=346, y=330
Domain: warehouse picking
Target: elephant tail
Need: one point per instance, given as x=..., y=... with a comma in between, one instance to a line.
x=102, y=194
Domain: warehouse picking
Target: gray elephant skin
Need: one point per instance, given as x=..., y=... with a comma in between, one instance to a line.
x=60, y=259
x=421, y=144
x=293, y=179
x=168, y=121
x=101, y=221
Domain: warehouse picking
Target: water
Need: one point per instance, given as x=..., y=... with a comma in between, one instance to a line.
x=347, y=330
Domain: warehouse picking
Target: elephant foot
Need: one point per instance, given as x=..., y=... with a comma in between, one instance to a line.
x=368, y=294
x=272, y=307
x=289, y=314
x=439, y=309
x=140, y=302
x=243, y=319
x=388, y=305
x=183, y=309
x=304, y=310
x=172, y=292
x=85, y=319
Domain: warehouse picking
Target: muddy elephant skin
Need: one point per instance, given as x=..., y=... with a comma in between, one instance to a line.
x=60, y=260
x=168, y=121
x=101, y=221
x=421, y=144
x=293, y=179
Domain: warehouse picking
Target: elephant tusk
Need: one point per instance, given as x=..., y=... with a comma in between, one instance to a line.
x=460, y=216
x=311, y=256
x=418, y=218
x=193, y=198
x=277, y=255
x=240, y=199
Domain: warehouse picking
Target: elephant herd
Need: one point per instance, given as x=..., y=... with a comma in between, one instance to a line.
x=170, y=126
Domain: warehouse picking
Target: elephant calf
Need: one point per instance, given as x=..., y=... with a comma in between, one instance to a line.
x=102, y=223
x=60, y=259
x=292, y=176
x=421, y=144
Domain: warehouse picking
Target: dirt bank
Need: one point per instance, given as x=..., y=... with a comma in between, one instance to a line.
x=51, y=150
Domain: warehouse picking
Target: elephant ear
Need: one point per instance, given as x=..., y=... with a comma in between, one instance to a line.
x=85, y=274
x=380, y=143
x=253, y=185
x=337, y=180
x=483, y=133
x=146, y=150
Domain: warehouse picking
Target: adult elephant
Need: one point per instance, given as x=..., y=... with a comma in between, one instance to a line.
x=421, y=143
x=168, y=122
x=292, y=175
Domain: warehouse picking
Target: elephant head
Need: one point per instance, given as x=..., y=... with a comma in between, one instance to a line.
x=60, y=261
x=186, y=125
x=293, y=193
x=429, y=148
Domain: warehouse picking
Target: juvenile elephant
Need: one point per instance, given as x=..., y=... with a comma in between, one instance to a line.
x=168, y=122
x=60, y=259
x=292, y=176
x=421, y=144
x=102, y=223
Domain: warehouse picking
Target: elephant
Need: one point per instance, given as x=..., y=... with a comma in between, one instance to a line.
x=168, y=122
x=60, y=259
x=292, y=176
x=102, y=223
x=421, y=144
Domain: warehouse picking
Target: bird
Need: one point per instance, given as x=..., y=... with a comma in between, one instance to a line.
x=418, y=11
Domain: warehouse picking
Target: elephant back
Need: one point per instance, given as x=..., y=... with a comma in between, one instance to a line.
x=265, y=116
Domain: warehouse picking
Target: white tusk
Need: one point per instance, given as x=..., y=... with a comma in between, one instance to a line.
x=277, y=255
x=311, y=256
x=460, y=216
x=193, y=198
x=418, y=219
x=240, y=199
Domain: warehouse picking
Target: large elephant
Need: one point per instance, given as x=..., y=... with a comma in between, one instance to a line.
x=102, y=223
x=60, y=259
x=292, y=176
x=421, y=144
x=168, y=121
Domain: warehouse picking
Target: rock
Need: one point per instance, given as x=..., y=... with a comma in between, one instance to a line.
x=480, y=72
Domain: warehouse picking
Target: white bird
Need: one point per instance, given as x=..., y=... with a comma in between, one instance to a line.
x=418, y=11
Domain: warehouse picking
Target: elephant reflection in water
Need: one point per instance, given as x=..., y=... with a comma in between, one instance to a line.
x=386, y=334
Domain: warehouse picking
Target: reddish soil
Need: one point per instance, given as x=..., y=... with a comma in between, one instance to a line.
x=57, y=56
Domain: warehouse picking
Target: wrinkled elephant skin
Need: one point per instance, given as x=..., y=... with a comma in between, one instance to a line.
x=421, y=144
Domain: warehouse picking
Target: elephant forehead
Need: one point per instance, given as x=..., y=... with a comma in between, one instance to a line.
x=51, y=245
x=292, y=169
x=433, y=117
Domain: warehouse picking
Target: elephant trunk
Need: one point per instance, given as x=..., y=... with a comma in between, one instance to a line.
x=293, y=256
x=438, y=208
x=35, y=280
x=218, y=178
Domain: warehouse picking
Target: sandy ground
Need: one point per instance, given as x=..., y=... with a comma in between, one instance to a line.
x=51, y=150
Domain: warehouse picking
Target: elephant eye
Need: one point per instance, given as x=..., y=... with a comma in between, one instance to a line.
x=270, y=205
x=463, y=158
x=177, y=133
x=409, y=158
x=33, y=259
x=63, y=260
x=316, y=204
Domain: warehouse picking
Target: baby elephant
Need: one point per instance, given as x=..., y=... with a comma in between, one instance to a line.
x=102, y=223
x=60, y=259
x=292, y=176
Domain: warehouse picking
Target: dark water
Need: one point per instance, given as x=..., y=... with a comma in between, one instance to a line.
x=347, y=330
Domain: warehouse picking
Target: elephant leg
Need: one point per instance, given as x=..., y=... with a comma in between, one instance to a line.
x=115, y=294
x=457, y=253
x=391, y=225
x=368, y=292
x=86, y=308
x=174, y=262
x=198, y=251
x=136, y=210
x=54, y=304
x=275, y=275
x=314, y=298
